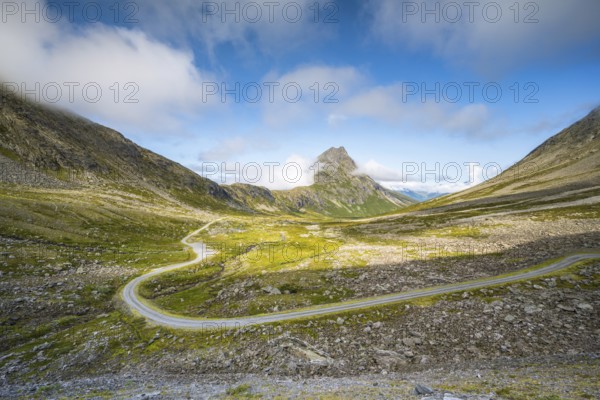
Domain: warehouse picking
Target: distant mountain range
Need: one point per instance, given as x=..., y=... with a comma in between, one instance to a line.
x=420, y=195
x=43, y=146
x=49, y=147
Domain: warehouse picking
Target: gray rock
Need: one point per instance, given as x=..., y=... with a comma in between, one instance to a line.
x=423, y=390
x=292, y=366
x=389, y=359
x=565, y=308
x=271, y=290
x=509, y=318
x=532, y=309
x=41, y=347
x=450, y=397
x=153, y=395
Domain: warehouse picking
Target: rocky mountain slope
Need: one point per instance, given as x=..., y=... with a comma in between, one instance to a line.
x=567, y=162
x=52, y=147
x=337, y=191
x=40, y=146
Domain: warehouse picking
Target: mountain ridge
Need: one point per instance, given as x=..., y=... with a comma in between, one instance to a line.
x=78, y=152
x=566, y=162
x=337, y=191
x=62, y=149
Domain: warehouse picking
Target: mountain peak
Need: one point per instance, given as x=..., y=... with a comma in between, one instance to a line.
x=338, y=156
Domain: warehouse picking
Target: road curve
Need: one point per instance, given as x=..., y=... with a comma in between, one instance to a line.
x=131, y=298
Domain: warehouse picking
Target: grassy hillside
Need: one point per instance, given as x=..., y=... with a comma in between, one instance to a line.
x=40, y=146
x=567, y=162
x=39, y=141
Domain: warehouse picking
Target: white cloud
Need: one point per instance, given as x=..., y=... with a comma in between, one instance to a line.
x=387, y=104
x=448, y=178
x=335, y=120
x=471, y=119
x=232, y=148
x=289, y=178
x=357, y=98
x=253, y=28
x=163, y=80
x=381, y=102
x=428, y=187
x=294, y=172
x=378, y=171
x=490, y=47
x=310, y=92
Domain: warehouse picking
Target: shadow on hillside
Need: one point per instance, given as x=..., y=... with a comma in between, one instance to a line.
x=299, y=288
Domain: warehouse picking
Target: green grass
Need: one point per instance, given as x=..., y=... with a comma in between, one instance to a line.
x=298, y=289
x=6, y=152
x=240, y=390
x=107, y=228
x=305, y=288
x=58, y=231
x=251, y=250
x=124, y=338
x=575, y=212
x=55, y=233
x=457, y=232
x=249, y=247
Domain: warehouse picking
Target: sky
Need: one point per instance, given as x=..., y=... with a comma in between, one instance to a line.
x=432, y=96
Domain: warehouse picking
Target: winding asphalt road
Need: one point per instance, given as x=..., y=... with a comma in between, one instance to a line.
x=131, y=297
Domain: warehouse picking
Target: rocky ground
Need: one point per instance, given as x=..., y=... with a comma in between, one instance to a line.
x=537, y=378
x=497, y=246
x=537, y=323
x=550, y=316
x=537, y=339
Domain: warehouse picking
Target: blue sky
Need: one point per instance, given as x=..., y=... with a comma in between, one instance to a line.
x=371, y=60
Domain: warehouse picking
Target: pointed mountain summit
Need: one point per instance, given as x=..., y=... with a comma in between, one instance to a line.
x=339, y=158
x=334, y=166
x=339, y=191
